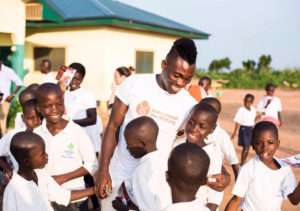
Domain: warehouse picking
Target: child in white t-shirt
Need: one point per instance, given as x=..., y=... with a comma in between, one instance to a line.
x=222, y=138
x=269, y=107
x=264, y=181
x=244, y=121
x=31, y=188
x=70, y=150
x=187, y=169
x=201, y=123
x=147, y=188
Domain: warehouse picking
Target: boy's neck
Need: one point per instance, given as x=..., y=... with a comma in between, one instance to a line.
x=28, y=174
x=55, y=128
x=178, y=196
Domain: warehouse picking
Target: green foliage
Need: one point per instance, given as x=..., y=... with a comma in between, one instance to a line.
x=253, y=76
x=218, y=65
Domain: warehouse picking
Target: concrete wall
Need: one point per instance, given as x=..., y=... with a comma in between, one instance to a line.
x=101, y=50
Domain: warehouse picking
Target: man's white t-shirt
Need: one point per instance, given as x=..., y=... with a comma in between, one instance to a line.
x=21, y=194
x=272, y=109
x=147, y=187
x=245, y=117
x=67, y=151
x=49, y=77
x=76, y=103
x=7, y=75
x=195, y=205
x=143, y=96
x=221, y=138
x=263, y=188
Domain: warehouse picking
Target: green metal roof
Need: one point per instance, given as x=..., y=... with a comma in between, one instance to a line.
x=59, y=13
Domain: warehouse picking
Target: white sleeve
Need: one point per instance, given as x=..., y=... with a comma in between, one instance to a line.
x=242, y=183
x=57, y=193
x=260, y=105
x=289, y=183
x=237, y=117
x=279, y=105
x=214, y=197
x=228, y=149
x=90, y=100
x=13, y=76
x=123, y=92
x=87, y=152
x=5, y=144
x=9, y=200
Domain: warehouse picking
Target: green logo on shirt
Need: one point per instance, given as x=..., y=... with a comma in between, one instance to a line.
x=71, y=146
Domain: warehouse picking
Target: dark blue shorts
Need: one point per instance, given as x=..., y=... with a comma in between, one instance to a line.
x=245, y=135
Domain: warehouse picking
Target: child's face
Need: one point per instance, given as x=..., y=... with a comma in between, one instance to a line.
x=265, y=145
x=52, y=107
x=248, y=102
x=198, y=127
x=270, y=91
x=38, y=157
x=31, y=118
x=76, y=81
x=206, y=85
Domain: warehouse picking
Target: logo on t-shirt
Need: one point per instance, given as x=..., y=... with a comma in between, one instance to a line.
x=143, y=108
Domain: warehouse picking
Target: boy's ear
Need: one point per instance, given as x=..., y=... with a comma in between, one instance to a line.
x=163, y=64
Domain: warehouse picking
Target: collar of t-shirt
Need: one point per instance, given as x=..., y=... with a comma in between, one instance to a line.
x=63, y=131
x=164, y=91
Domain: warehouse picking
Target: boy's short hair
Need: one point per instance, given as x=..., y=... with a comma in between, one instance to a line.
x=124, y=71
x=214, y=102
x=188, y=166
x=47, y=88
x=22, y=143
x=26, y=95
x=29, y=104
x=204, y=78
x=206, y=108
x=249, y=96
x=149, y=135
x=79, y=68
x=262, y=127
x=184, y=48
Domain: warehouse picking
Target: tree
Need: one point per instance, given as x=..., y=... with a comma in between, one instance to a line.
x=218, y=64
x=264, y=63
x=249, y=65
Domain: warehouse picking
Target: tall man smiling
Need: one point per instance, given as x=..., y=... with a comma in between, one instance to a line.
x=160, y=96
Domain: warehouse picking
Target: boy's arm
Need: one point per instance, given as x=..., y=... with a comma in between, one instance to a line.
x=103, y=180
x=236, y=127
x=279, y=118
x=63, y=178
x=219, y=182
x=294, y=197
x=233, y=204
x=79, y=194
x=91, y=118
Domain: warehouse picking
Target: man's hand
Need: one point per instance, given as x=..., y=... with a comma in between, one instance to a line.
x=218, y=182
x=103, y=183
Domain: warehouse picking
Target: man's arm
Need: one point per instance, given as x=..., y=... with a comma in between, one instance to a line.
x=279, y=118
x=91, y=118
x=103, y=180
x=295, y=196
x=236, y=127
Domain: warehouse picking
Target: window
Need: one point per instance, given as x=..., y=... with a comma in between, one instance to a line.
x=55, y=55
x=144, y=62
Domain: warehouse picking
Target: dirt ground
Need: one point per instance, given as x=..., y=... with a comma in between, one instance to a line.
x=289, y=132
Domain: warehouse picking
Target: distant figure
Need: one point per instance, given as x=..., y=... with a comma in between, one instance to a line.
x=205, y=86
x=244, y=121
x=48, y=75
x=269, y=107
x=121, y=73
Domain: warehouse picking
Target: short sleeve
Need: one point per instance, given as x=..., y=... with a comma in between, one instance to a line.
x=56, y=193
x=279, y=105
x=237, y=117
x=260, y=105
x=9, y=200
x=242, y=183
x=90, y=100
x=289, y=183
x=227, y=148
x=123, y=92
x=214, y=197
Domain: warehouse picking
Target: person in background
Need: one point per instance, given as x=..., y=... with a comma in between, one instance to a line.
x=205, y=86
x=269, y=107
x=7, y=76
x=244, y=122
x=48, y=75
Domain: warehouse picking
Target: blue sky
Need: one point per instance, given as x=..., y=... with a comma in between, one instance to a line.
x=240, y=29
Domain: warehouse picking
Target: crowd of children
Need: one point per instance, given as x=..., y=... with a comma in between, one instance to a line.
x=161, y=149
